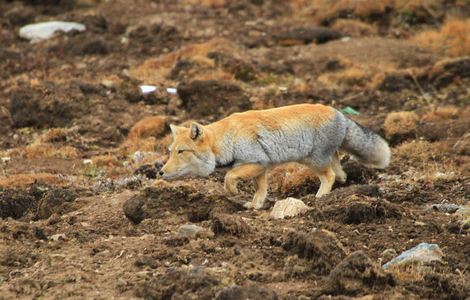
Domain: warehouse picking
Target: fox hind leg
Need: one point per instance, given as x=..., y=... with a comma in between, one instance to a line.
x=325, y=174
x=340, y=175
x=261, y=183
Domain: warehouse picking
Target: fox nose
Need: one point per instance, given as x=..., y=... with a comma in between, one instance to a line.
x=161, y=173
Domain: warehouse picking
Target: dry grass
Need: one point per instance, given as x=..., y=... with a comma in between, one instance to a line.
x=23, y=180
x=149, y=127
x=408, y=273
x=452, y=39
x=205, y=3
x=106, y=161
x=441, y=113
x=156, y=70
x=290, y=176
x=423, y=152
x=44, y=150
x=327, y=10
x=54, y=135
x=351, y=77
x=354, y=28
x=401, y=123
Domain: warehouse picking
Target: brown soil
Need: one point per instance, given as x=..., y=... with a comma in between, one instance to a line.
x=79, y=217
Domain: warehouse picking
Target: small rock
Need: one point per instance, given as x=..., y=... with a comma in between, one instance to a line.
x=57, y=237
x=45, y=30
x=421, y=254
x=289, y=207
x=446, y=207
x=189, y=230
x=251, y=292
x=389, y=253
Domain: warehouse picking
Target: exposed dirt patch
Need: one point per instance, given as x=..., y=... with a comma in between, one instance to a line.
x=205, y=98
x=81, y=204
x=320, y=247
x=357, y=273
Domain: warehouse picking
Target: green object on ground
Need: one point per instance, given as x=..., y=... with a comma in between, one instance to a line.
x=350, y=111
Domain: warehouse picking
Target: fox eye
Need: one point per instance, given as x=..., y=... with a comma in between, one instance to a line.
x=180, y=151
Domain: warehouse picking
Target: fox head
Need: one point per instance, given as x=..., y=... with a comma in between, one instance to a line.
x=190, y=152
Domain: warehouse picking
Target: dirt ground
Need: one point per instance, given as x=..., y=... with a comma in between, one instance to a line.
x=82, y=214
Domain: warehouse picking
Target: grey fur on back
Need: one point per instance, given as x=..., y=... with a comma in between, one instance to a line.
x=302, y=142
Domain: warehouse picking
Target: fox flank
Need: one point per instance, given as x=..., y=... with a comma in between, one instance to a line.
x=254, y=141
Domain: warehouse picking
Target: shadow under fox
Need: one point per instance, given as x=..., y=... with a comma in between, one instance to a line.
x=254, y=141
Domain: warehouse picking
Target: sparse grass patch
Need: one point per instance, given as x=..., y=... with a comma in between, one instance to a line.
x=441, y=113
x=23, y=180
x=408, y=273
x=54, y=135
x=40, y=150
x=149, y=127
x=452, y=39
x=156, y=71
x=106, y=161
x=354, y=28
x=400, y=125
x=289, y=177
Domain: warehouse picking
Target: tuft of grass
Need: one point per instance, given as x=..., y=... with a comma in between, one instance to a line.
x=106, y=161
x=40, y=150
x=441, y=113
x=401, y=123
x=23, y=180
x=149, y=127
x=452, y=39
x=354, y=28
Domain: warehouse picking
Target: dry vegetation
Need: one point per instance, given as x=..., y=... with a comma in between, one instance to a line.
x=82, y=215
x=452, y=39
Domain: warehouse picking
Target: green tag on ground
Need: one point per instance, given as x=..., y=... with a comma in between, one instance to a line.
x=350, y=111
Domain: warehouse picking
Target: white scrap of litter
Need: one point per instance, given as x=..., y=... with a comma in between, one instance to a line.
x=45, y=30
x=147, y=89
x=171, y=91
x=87, y=162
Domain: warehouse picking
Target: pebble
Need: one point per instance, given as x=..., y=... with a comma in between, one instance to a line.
x=389, y=253
x=57, y=237
x=189, y=230
x=446, y=207
x=289, y=207
x=421, y=254
x=45, y=30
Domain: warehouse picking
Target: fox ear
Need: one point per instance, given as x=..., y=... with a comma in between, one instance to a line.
x=174, y=129
x=196, y=131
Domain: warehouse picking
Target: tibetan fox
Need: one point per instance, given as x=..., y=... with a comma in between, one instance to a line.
x=253, y=141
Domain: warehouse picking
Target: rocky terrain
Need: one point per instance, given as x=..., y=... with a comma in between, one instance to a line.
x=84, y=215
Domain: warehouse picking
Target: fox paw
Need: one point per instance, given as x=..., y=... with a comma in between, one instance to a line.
x=341, y=178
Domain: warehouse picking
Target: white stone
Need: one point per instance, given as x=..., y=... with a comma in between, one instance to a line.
x=45, y=30
x=289, y=207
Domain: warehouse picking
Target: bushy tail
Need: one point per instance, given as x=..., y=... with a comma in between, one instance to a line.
x=366, y=146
